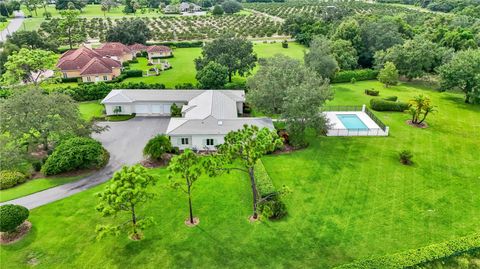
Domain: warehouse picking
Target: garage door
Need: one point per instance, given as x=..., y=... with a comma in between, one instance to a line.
x=141, y=109
x=157, y=109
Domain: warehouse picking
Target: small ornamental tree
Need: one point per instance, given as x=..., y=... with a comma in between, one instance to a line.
x=245, y=147
x=388, y=75
x=212, y=76
x=12, y=216
x=157, y=146
x=124, y=193
x=420, y=108
x=175, y=111
x=184, y=170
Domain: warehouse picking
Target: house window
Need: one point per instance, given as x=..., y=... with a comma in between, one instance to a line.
x=105, y=78
x=209, y=142
x=65, y=75
x=117, y=109
x=184, y=141
x=88, y=79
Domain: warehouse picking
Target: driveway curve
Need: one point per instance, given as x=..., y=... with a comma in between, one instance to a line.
x=13, y=26
x=124, y=140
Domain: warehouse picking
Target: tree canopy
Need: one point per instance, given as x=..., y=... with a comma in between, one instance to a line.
x=319, y=57
x=129, y=32
x=212, y=76
x=235, y=53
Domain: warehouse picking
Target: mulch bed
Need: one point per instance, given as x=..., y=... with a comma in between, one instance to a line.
x=10, y=238
x=196, y=221
x=423, y=125
x=157, y=163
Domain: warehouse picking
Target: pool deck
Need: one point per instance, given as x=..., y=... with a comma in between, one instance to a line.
x=338, y=129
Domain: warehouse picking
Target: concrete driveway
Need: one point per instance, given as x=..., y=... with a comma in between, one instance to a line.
x=13, y=26
x=125, y=140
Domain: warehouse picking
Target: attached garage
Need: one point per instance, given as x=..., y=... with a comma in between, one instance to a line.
x=141, y=109
x=157, y=109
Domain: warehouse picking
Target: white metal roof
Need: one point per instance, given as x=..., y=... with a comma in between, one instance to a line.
x=213, y=126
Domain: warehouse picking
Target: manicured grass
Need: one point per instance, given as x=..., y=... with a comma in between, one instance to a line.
x=351, y=198
x=183, y=67
x=88, y=110
x=31, y=24
x=34, y=185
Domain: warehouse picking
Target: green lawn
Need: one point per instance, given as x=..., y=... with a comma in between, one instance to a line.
x=88, y=110
x=183, y=67
x=34, y=185
x=351, y=198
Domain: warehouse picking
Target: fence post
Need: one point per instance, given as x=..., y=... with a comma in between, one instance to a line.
x=363, y=108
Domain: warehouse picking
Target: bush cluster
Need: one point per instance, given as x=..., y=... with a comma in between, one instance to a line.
x=133, y=73
x=272, y=206
x=414, y=257
x=96, y=91
x=67, y=80
x=181, y=44
x=379, y=104
x=10, y=179
x=358, y=75
x=157, y=146
x=372, y=92
x=391, y=98
x=11, y=216
x=75, y=153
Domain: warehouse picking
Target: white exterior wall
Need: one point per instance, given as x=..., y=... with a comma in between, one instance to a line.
x=151, y=108
x=197, y=141
x=126, y=109
x=240, y=107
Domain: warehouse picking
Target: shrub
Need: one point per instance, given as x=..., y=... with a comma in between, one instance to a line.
x=379, y=104
x=359, y=75
x=133, y=73
x=405, y=157
x=133, y=61
x=271, y=206
x=391, y=98
x=75, y=153
x=285, y=44
x=185, y=86
x=414, y=257
x=11, y=216
x=125, y=64
x=175, y=111
x=10, y=179
x=157, y=146
x=372, y=92
x=66, y=80
x=353, y=80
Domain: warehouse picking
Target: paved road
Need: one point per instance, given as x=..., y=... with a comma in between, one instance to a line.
x=13, y=26
x=124, y=140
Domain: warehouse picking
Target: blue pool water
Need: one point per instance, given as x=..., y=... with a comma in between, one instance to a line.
x=352, y=121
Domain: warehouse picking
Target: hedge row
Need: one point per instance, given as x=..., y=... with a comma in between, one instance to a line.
x=96, y=91
x=358, y=75
x=271, y=206
x=133, y=73
x=181, y=44
x=420, y=256
x=379, y=104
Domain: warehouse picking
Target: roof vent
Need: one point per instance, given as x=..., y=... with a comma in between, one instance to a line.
x=220, y=122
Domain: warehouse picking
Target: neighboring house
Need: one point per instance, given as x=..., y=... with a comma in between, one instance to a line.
x=137, y=48
x=189, y=7
x=89, y=65
x=116, y=51
x=156, y=53
x=207, y=115
x=171, y=9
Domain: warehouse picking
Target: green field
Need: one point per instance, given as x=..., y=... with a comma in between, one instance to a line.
x=34, y=185
x=351, y=198
x=183, y=67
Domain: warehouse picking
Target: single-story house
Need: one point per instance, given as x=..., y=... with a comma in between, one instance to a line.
x=157, y=52
x=189, y=7
x=137, y=48
x=89, y=65
x=207, y=115
x=171, y=9
x=116, y=51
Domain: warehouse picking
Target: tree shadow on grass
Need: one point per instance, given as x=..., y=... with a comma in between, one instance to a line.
x=459, y=102
x=24, y=242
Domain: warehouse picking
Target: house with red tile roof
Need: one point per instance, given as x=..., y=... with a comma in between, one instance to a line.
x=89, y=64
x=156, y=53
x=117, y=51
x=137, y=48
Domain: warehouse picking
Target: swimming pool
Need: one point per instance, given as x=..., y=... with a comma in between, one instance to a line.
x=352, y=122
